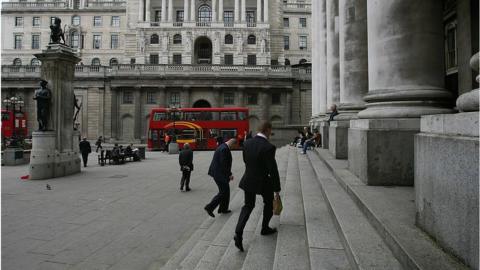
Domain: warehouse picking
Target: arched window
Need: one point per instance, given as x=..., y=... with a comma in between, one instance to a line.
x=228, y=39
x=302, y=61
x=154, y=39
x=74, y=38
x=95, y=62
x=251, y=39
x=35, y=62
x=287, y=62
x=113, y=62
x=177, y=39
x=75, y=20
x=17, y=62
x=204, y=13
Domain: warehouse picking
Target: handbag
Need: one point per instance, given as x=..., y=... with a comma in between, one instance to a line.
x=277, y=205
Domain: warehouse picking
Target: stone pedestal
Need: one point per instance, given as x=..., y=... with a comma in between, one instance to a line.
x=55, y=151
x=324, y=129
x=13, y=156
x=380, y=151
x=173, y=148
x=338, y=138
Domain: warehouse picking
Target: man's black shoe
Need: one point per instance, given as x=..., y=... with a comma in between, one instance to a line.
x=268, y=231
x=238, y=242
x=209, y=212
x=187, y=189
x=224, y=212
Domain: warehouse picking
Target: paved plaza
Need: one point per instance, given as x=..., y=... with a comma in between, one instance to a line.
x=130, y=216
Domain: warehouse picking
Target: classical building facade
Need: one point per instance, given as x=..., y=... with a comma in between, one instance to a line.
x=137, y=55
x=400, y=73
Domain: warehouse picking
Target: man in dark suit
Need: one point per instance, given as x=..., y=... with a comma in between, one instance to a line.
x=185, y=159
x=85, y=149
x=221, y=171
x=260, y=177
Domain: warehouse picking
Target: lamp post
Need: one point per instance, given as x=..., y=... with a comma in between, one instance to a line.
x=173, y=146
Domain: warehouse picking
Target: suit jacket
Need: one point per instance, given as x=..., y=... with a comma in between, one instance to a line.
x=261, y=172
x=185, y=158
x=85, y=147
x=221, y=166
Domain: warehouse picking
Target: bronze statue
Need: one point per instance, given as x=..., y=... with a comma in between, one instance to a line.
x=56, y=33
x=76, y=110
x=43, y=95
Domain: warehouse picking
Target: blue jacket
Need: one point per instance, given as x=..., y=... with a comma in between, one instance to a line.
x=221, y=166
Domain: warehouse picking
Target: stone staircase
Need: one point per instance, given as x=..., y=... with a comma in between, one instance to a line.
x=322, y=226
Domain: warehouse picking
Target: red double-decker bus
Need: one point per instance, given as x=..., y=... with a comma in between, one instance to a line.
x=14, y=124
x=198, y=127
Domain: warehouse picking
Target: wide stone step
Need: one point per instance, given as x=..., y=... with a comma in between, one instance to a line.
x=365, y=248
x=391, y=211
x=325, y=247
x=292, y=248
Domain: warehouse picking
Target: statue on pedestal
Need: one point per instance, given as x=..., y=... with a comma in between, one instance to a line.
x=56, y=33
x=76, y=109
x=43, y=95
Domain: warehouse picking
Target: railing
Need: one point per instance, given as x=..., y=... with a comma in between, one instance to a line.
x=154, y=23
x=177, y=24
x=82, y=71
x=228, y=24
x=251, y=24
x=298, y=6
x=35, y=5
x=204, y=24
x=109, y=4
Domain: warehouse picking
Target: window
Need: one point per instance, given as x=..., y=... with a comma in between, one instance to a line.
x=251, y=18
x=159, y=116
x=302, y=22
x=251, y=39
x=158, y=15
x=204, y=13
x=76, y=20
x=228, y=39
x=252, y=59
x=35, y=42
x=116, y=21
x=228, y=116
x=302, y=42
x=36, y=21
x=113, y=62
x=127, y=97
x=114, y=44
x=177, y=39
x=97, y=21
x=286, y=42
x=274, y=62
x=287, y=62
x=154, y=59
x=82, y=41
x=18, y=42
x=180, y=16
x=17, y=62
x=302, y=61
x=252, y=98
x=228, y=59
x=177, y=59
x=151, y=97
x=229, y=98
x=276, y=99
x=97, y=41
x=95, y=62
x=76, y=4
x=228, y=17
x=35, y=62
x=154, y=39
x=286, y=22
x=133, y=61
x=451, y=46
x=175, y=99
x=18, y=21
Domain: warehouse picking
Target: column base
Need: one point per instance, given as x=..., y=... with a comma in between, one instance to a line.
x=338, y=139
x=47, y=162
x=324, y=129
x=446, y=182
x=380, y=151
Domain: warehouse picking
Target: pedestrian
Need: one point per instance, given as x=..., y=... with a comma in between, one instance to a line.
x=98, y=143
x=334, y=112
x=260, y=177
x=85, y=149
x=167, y=141
x=185, y=158
x=249, y=135
x=221, y=171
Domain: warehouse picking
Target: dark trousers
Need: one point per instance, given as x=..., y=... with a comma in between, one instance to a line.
x=247, y=209
x=85, y=159
x=99, y=147
x=185, y=179
x=222, y=198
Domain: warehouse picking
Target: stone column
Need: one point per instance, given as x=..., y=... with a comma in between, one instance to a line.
x=288, y=112
x=319, y=63
x=214, y=11
x=162, y=97
x=186, y=14
x=115, y=112
x=138, y=113
x=265, y=11
x=220, y=10
x=244, y=11
x=406, y=79
x=265, y=103
x=193, y=11
x=164, y=10
x=333, y=68
x=141, y=8
x=185, y=97
x=353, y=72
x=259, y=11
x=237, y=11
x=147, y=11
x=241, y=96
x=170, y=11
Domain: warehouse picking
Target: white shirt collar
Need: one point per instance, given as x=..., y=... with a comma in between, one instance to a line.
x=262, y=135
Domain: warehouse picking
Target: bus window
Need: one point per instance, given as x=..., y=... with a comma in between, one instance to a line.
x=228, y=133
x=228, y=116
x=192, y=116
x=154, y=135
x=159, y=116
x=5, y=116
x=213, y=132
x=242, y=116
x=175, y=116
x=186, y=134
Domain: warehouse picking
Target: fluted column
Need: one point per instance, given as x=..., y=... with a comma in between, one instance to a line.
x=147, y=10
x=288, y=112
x=138, y=113
x=333, y=68
x=164, y=10
x=265, y=11
x=220, y=10
x=244, y=11
x=405, y=59
x=237, y=11
x=170, y=11
x=193, y=9
x=353, y=56
x=141, y=8
x=214, y=10
x=259, y=11
x=186, y=14
x=319, y=55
